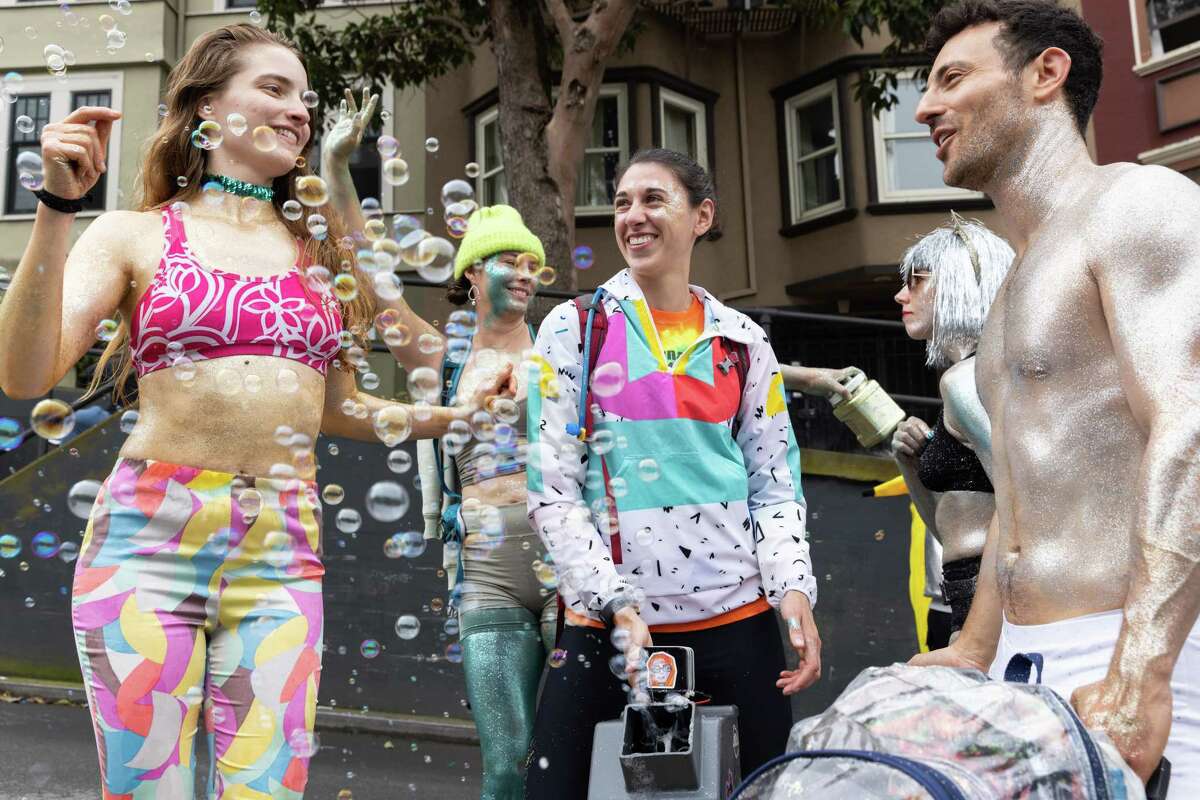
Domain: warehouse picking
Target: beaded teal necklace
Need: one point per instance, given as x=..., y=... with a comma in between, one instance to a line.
x=239, y=187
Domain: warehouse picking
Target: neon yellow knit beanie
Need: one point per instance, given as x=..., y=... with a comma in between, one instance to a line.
x=495, y=229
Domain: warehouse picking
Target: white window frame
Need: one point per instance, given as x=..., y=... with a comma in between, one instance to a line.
x=619, y=91
x=60, y=105
x=699, y=113
x=790, y=107
x=883, y=192
x=489, y=117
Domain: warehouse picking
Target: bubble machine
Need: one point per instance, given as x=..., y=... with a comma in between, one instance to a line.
x=671, y=748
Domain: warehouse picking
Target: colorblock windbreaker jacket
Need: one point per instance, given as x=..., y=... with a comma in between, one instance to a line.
x=687, y=489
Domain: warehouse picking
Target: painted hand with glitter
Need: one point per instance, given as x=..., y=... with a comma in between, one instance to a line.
x=351, y=121
x=1135, y=714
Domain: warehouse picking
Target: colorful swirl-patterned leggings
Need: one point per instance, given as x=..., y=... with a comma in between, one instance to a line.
x=201, y=589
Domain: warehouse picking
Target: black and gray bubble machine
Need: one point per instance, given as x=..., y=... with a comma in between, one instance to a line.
x=671, y=748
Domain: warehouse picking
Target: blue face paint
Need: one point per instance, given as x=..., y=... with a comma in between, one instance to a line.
x=499, y=276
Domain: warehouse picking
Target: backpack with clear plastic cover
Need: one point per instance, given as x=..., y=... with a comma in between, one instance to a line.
x=948, y=734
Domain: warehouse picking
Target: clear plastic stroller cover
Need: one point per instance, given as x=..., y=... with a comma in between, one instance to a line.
x=952, y=728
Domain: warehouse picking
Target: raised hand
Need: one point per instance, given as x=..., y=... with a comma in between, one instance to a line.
x=346, y=134
x=73, y=150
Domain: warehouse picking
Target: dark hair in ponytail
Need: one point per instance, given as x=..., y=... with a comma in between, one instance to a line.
x=457, y=289
x=694, y=178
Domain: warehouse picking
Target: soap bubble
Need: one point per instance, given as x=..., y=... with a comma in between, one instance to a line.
x=430, y=343
x=52, y=419
x=395, y=172
x=348, y=520
x=436, y=258
x=45, y=545
x=115, y=39
x=236, y=123
x=387, y=501
x=333, y=494
x=68, y=552
x=471, y=169
x=392, y=424
x=255, y=17
x=432, y=144
x=397, y=335
x=648, y=470
x=81, y=498
x=318, y=278
x=582, y=257
x=387, y=146
x=310, y=99
x=10, y=431
x=370, y=648
x=106, y=330
x=128, y=420
x=292, y=210
x=345, y=287
x=424, y=384
x=312, y=190
x=24, y=124
x=608, y=379
x=557, y=658
x=399, y=461
x=250, y=502
x=645, y=537
x=10, y=546
x=123, y=6
x=408, y=626
x=264, y=138
x=317, y=226
x=375, y=229
x=456, y=191
x=404, y=224
x=388, y=287
x=546, y=275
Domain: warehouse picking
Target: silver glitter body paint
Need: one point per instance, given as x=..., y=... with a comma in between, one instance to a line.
x=1088, y=370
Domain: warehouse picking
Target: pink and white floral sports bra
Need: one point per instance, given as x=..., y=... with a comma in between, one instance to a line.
x=189, y=310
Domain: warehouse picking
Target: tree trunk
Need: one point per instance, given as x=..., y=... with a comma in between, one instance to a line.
x=543, y=150
x=519, y=39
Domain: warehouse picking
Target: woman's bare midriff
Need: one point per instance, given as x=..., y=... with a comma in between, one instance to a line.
x=962, y=523
x=227, y=416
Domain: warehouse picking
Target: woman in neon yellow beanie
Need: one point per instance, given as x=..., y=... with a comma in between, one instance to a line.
x=507, y=616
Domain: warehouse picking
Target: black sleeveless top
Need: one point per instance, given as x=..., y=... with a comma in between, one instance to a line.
x=948, y=465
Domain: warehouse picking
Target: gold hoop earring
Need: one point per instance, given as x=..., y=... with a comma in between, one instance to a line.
x=473, y=294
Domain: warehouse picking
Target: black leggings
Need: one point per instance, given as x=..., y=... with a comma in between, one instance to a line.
x=736, y=664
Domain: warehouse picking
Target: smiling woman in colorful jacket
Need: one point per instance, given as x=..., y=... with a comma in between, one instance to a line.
x=676, y=517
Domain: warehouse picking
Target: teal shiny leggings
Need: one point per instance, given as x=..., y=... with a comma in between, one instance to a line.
x=507, y=628
x=503, y=654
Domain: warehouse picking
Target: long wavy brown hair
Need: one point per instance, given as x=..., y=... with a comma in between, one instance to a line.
x=205, y=70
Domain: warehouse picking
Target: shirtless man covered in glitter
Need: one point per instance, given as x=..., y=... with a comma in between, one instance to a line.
x=1089, y=368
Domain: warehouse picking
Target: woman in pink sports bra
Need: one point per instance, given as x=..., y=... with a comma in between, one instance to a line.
x=198, y=584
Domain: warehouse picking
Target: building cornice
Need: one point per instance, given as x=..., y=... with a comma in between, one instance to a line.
x=1172, y=153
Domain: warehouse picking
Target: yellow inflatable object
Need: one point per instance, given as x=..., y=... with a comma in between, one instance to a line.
x=893, y=488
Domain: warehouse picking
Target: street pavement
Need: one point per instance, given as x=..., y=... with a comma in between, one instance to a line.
x=48, y=753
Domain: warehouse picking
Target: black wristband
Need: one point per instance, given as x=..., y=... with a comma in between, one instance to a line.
x=610, y=609
x=61, y=203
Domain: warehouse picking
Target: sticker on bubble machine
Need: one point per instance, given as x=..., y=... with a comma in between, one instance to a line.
x=662, y=670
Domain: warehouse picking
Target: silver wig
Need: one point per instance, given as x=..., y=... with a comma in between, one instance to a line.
x=967, y=263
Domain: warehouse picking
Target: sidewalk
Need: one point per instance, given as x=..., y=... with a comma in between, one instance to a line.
x=49, y=753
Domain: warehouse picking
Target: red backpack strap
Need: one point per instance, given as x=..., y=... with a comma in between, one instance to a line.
x=739, y=354
x=599, y=330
